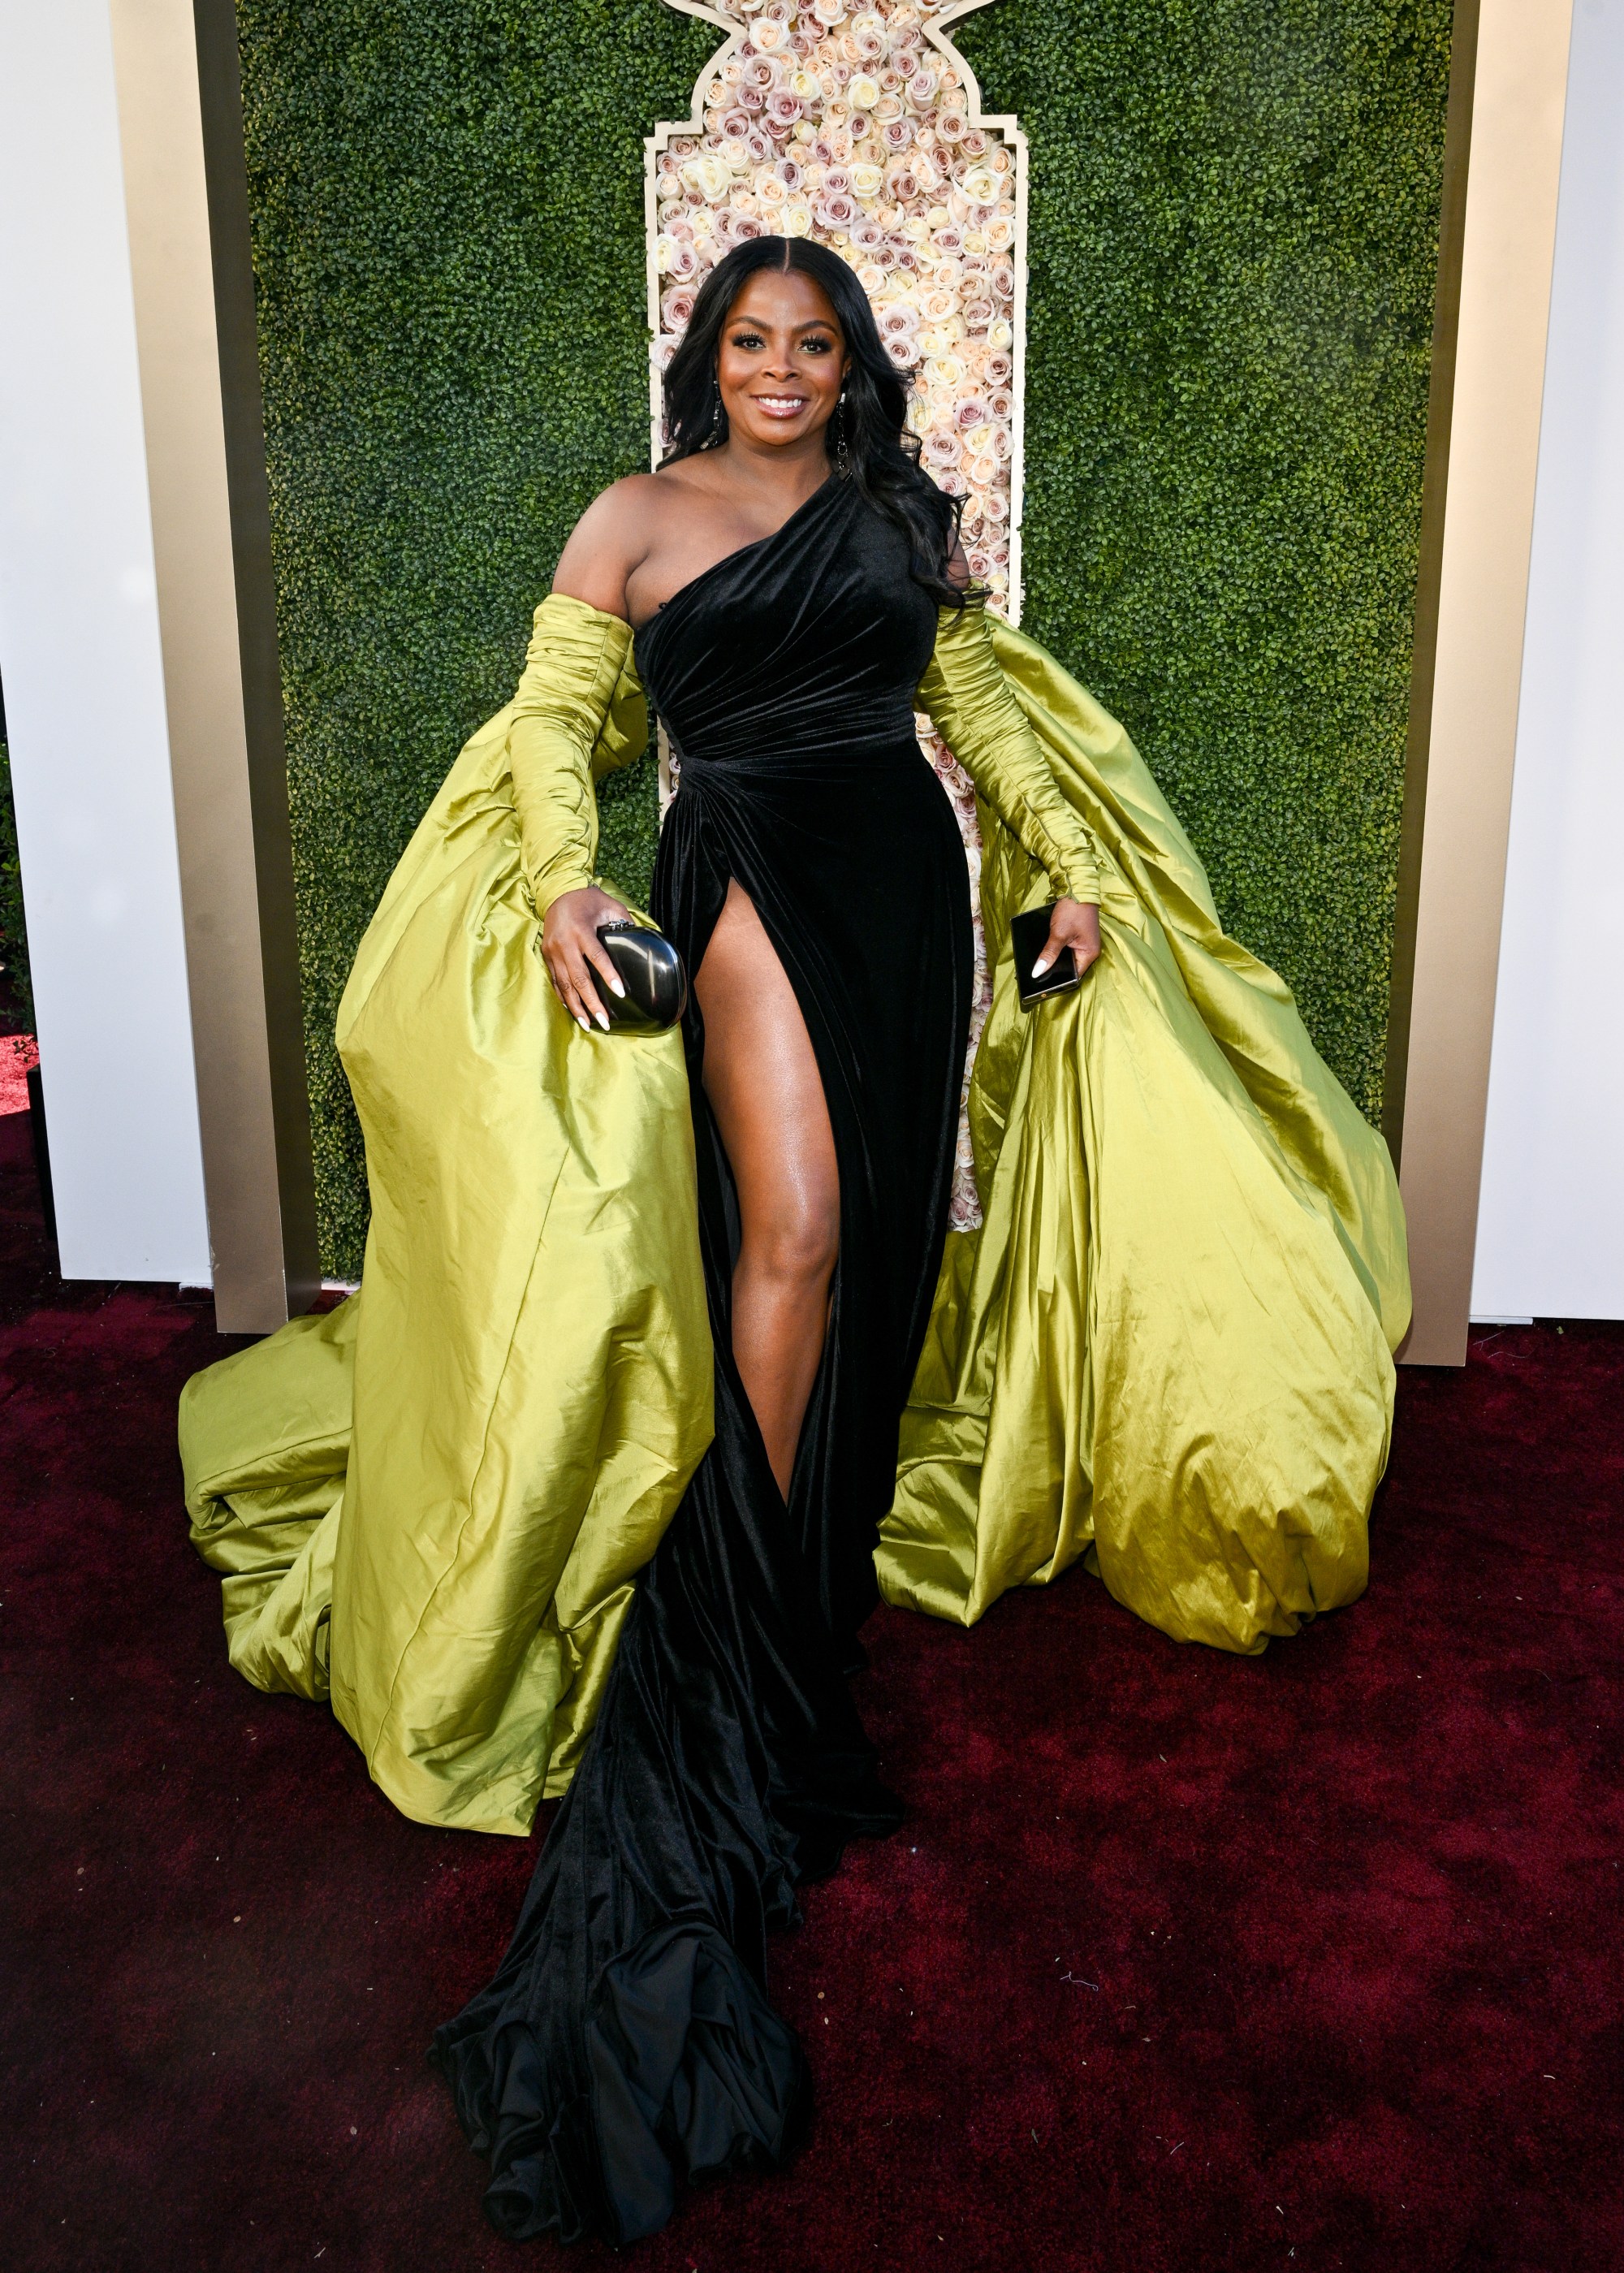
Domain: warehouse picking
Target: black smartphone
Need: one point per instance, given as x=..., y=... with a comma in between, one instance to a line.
x=1027, y=936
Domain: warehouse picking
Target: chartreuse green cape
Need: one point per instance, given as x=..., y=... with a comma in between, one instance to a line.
x=1166, y=1350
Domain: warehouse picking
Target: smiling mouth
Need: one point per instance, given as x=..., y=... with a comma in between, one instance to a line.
x=782, y=406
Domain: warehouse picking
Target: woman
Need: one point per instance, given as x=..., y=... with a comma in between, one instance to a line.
x=470, y=1559
x=812, y=875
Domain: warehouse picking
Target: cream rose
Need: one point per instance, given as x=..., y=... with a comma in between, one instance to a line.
x=710, y=174
x=794, y=219
x=867, y=181
x=1000, y=333
x=862, y=94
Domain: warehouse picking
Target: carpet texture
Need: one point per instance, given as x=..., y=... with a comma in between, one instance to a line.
x=1182, y=1963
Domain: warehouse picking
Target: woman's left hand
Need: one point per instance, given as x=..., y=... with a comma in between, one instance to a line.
x=1074, y=925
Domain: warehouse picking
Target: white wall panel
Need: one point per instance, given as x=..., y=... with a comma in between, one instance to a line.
x=80, y=661
x=1551, y=1221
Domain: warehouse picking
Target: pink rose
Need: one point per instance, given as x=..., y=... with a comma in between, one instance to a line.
x=977, y=314
x=953, y=483
x=760, y=145
x=1000, y=402
x=996, y=504
x=980, y=563
x=975, y=143
x=922, y=87
x=951, y=126
x=836, y=214
x=1001, y=370
x=790, y=174
x=896, y=134
x=900, y=347
x=969, y=411
x=783, y=111
x=750, y=100
x=836, y=182
x=736, y=125
x=940, y=450
x=676, y=307
x=1004, y=278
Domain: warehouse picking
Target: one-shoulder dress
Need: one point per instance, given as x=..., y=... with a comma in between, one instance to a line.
x=507, y=1506
x=627, y=2041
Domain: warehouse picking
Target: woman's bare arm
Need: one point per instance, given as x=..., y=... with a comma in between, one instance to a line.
x=607, y=543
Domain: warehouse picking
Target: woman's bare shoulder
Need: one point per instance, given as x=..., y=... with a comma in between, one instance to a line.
x=613, y=538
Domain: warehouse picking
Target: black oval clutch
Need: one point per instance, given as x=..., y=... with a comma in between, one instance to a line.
x=651, y=972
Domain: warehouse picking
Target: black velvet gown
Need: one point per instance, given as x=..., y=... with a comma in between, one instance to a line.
x=626, y=2041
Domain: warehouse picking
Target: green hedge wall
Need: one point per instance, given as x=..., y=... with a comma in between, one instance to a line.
x=1233, y=245
x=1233, y=231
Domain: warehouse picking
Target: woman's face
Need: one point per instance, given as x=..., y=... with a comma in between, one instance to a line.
x=782, y=360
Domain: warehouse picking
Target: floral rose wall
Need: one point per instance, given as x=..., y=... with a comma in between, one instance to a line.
x=1231, y=238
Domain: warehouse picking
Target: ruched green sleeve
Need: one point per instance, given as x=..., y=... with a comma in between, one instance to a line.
x=577, y=714
x=969, y=704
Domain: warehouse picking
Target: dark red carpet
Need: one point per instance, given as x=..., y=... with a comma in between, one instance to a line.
x=1183, y=1962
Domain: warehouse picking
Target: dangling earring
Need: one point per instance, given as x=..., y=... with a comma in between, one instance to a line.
x=842, y=456
x=714, y=436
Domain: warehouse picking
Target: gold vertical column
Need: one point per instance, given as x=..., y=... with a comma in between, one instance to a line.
x=1507, y=98
x=180, y=122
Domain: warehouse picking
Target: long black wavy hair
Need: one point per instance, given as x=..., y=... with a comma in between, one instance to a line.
x=882, y=455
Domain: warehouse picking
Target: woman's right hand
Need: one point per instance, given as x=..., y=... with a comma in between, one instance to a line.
x=575, y=956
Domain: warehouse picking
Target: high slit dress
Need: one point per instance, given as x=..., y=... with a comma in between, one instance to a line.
x=507, y=1507
x=627, y=2040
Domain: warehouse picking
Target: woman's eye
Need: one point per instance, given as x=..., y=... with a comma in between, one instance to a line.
x=816, y=347
x=750, y=341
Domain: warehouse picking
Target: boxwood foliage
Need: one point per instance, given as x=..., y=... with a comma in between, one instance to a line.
x=1232, y=251
x=1233, y=232
x=448, y=208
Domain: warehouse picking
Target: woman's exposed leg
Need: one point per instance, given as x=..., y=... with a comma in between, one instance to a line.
x=762, y=1081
